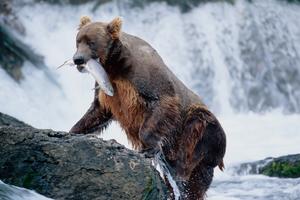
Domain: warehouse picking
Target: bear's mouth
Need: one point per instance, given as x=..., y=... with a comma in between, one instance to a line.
x=81, y=68
x=94, y=67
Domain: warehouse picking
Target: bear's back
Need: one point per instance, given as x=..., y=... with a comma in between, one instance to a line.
x=150, y=74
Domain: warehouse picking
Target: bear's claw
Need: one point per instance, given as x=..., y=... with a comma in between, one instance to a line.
x=149, y=152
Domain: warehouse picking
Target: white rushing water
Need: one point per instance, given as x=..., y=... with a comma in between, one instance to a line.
x=10, y=192
x=242, y=59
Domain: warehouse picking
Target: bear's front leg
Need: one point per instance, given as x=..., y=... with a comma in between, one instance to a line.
x=151, y=143
x=150, y=135
x=95, y=119
x=160, y=127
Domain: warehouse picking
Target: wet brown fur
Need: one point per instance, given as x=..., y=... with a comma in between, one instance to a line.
x=156, y=110
x=127, y=108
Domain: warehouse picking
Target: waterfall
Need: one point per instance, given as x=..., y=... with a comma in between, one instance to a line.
x=242, y=59
x=238, y=58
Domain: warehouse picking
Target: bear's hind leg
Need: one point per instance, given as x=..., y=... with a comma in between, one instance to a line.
x=199, y=182
x=202, y=141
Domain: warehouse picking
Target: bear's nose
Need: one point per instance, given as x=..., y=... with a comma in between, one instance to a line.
x=78, y=60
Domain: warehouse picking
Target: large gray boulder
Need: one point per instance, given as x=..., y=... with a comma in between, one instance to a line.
x=66, y=166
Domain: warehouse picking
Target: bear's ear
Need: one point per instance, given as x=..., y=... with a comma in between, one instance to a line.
x=114, y=28
x=84, y=20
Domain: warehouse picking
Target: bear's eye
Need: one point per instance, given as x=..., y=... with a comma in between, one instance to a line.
x=91, y=43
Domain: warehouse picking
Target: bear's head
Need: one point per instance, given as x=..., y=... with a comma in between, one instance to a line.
x=94, y=39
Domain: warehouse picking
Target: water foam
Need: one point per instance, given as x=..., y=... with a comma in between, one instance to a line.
x=230, y=55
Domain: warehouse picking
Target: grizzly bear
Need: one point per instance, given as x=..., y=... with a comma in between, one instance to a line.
x=156, y=110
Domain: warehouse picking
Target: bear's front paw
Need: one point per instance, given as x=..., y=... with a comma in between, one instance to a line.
x=149, y=152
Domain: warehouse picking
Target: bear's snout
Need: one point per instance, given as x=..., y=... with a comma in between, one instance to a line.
x=78, y=59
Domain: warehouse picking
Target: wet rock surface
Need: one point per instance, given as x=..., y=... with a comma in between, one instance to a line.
x=66, y=166
x=283, y=167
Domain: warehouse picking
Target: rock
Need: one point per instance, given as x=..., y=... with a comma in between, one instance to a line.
x=282, y=167
x=250, y=167
x=13, y=54
x=67, y=166
x=8, y=16
x=6, y=120
x=13, y=51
